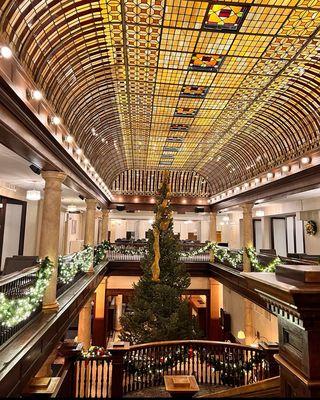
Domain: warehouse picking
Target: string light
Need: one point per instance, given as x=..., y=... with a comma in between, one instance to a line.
x=14, y=311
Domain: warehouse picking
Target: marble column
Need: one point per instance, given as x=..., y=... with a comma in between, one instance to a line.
x=118, y=306
x=99, y=323
x=215, y=305
x=90, y=224
x=266, y=232
x=50, y=228
x=84, y=325
x=213, y=226
x=247, y=232
x=104, y=225
x=248, y=322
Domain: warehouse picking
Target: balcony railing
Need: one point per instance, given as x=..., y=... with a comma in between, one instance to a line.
x=144, y=366
x=115, y=256
x=16, y=286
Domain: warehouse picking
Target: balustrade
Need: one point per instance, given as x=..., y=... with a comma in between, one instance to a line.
x=144, y=366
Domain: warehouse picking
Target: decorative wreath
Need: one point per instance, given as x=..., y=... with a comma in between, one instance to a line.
x=311, y=228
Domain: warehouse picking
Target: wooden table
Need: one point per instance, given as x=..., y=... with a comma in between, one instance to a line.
x=182, y=386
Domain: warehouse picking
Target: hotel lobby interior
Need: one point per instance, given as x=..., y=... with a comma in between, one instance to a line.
x=159, y=198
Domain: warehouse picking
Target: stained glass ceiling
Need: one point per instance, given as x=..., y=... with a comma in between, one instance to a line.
x=226, y=90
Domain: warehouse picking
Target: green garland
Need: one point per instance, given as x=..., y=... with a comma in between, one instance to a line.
x=222, y=254
x=256, y=266
x=68, y=266
x=13, y=311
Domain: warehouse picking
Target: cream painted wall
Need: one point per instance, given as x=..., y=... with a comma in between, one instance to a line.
x=140, y=223
x=263, y=322
x=230, y=230
x=31, y=229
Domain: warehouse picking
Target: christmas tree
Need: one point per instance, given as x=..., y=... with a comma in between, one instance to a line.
x=156, y=311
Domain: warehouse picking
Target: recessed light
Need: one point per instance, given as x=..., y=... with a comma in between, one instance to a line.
x=305, y=160
x=5, y=52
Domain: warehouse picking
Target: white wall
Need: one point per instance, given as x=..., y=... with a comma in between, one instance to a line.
x=11, y=234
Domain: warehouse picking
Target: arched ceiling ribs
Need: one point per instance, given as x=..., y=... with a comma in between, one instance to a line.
x=183, y=183
x=43, y=68
x=125, y=67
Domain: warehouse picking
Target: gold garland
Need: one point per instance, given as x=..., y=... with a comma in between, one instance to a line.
x=161, y=224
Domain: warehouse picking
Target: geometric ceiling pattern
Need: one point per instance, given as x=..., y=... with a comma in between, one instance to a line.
x=225, y=89
x=182, y=183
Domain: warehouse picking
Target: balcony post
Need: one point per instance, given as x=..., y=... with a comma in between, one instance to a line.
x=247, y=234
x=50, y=227
x=117, y=351
x=91, y=205
x=104, y=225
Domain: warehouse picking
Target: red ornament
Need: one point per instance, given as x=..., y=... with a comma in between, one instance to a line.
x=190, y=352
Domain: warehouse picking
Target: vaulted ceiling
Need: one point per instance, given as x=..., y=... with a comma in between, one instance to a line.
x=225, y=90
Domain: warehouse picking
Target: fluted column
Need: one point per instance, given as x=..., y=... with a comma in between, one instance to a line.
x=50, y=227
x=118, y=306
x=84, y=325
x=104, y=225
x=247, y=232
x=213, y=227
x=90, y=224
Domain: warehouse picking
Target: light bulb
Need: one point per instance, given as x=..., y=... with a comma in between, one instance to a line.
x=55, y=120
x=36, y=95
x=285, y=168
x=79, y=152
x=5, y=52
x=270, y=175
x=305, y=160
x=69, y=139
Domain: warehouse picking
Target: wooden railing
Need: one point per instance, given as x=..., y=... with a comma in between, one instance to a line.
x=143, y=366
x=93, y=377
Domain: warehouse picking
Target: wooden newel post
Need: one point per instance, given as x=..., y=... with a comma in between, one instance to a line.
x=117, y=350
x=268, y=353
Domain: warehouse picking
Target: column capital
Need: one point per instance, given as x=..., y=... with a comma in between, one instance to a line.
x=91, y=204
x=105, y=211
x=247, y=207
x=53, y=175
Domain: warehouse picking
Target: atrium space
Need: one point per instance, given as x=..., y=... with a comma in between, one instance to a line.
x=159, y=198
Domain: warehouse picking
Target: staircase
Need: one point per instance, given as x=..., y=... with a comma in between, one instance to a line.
x=266, y=388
